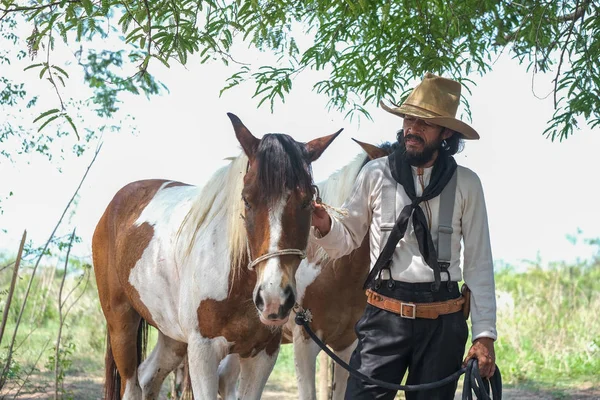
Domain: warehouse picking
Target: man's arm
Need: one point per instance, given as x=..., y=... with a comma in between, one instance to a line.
x=340, y=235
x=478, y=272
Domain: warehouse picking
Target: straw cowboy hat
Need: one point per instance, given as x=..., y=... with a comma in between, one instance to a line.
x=435, y=100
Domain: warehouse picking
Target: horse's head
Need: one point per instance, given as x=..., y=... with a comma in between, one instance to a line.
x=277, y=194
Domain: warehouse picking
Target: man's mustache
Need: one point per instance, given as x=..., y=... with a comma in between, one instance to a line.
x=414, y=137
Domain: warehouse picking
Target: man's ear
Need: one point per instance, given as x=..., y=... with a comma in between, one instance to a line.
x=447, y=133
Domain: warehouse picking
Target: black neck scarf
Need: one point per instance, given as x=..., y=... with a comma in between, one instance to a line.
x=443, y=169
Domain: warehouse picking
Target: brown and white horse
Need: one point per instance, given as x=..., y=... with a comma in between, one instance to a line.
x=331, y=289
x=176, y=256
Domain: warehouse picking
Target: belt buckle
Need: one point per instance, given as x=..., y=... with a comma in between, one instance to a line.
x=413, y=307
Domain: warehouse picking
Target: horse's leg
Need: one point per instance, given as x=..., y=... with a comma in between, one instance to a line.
x=305, y=359
x=340, y=375
x=166, y=355
x=123, y=331
x=255, y=373
x=229, y=372
x=204, y=356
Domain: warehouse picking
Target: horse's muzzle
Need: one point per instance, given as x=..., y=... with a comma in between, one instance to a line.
x=274, y=308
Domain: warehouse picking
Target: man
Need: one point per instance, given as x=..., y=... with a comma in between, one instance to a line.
x=414, y=319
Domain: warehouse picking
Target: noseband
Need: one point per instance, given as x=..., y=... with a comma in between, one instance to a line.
x=277, y=253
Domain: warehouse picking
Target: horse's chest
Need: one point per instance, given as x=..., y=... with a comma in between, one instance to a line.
x=237, y=320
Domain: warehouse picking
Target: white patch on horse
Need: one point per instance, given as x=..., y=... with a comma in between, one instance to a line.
x=305, y=275
x=162, y=270
x=272, y=276
x=132, y=390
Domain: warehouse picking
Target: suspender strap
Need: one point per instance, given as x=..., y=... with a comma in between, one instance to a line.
x=388, y=211
x=444, y=242
x=388, y=215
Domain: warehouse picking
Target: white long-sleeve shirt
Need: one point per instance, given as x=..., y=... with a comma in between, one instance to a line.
x=469, y=222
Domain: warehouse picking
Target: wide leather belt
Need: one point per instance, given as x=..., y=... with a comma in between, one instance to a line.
x=414, y=310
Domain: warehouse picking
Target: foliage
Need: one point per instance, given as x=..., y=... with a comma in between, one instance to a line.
x=370, y=50
x=551, y=334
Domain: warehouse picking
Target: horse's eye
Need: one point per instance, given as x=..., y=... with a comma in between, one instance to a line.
x=246, y=204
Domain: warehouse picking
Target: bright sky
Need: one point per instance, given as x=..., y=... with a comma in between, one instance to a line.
x=537, y=191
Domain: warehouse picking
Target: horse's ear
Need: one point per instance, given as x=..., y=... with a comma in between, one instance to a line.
x=247, y=140
x=372, y=151
x=316, y=147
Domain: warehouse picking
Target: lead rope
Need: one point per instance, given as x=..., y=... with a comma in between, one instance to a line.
x=474, y=383
x=342, y=212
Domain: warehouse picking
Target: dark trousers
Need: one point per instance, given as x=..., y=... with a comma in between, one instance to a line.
x=389, y=345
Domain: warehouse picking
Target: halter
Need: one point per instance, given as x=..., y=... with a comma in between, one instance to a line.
x=277, y=253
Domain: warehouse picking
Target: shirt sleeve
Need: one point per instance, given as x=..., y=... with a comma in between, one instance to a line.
x=348, y=231
x=478, y=266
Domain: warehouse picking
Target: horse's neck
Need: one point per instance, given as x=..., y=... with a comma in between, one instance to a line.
x=337, y=187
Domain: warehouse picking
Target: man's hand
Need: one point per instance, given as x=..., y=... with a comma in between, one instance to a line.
x=483, y=350
x=321, y=219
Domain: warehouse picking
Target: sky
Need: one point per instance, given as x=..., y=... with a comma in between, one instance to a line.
x=537, y=191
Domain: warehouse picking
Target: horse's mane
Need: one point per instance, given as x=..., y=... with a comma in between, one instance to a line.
x=220, y=195
x=292, y=171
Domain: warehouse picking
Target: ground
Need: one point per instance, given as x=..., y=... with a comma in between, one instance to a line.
x=90, y=388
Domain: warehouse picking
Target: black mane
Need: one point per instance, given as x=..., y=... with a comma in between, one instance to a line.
x=283, y=165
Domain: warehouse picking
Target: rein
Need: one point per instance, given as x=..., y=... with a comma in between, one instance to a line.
x=473, y=383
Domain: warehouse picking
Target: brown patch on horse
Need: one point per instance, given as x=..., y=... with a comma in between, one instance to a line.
x=117, y=245
x=175, y=184
x=335, y=312
x=236, y=319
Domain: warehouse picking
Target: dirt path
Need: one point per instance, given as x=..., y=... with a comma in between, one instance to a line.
x=90, y=388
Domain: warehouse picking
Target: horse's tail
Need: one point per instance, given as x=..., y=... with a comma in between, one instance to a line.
x=142, y=341
x=112, y=382
x=112, y=378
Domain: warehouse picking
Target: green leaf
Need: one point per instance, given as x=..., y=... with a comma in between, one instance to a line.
x=52, y=118
x=70, y=121
x=62, y=71
x=33, y=66
x=89, y=7
x=46, y=113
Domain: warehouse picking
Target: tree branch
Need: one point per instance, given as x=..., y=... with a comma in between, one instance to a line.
x=35, y=8
x=575, y=15
x=12, y=285
x=61, y=317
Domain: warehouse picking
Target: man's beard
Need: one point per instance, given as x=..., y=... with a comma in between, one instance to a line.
x=418, y=158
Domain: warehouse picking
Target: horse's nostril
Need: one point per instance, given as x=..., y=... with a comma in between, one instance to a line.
x=290, y=298
x=258, y=300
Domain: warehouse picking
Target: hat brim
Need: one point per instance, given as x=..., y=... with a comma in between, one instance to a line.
x=447, y=122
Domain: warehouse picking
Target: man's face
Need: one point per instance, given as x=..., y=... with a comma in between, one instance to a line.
x=422, y=140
